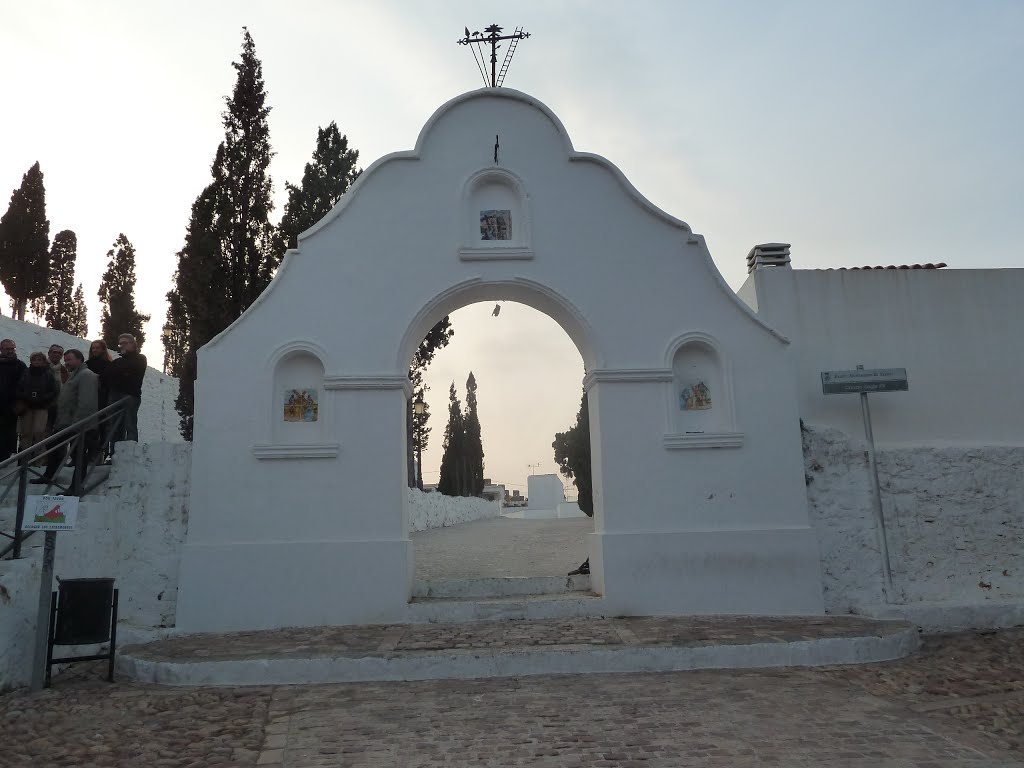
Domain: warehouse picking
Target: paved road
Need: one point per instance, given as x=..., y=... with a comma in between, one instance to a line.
x=958, y=703
x=501, y=547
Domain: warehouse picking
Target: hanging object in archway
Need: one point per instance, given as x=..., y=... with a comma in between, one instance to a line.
x=497, y=310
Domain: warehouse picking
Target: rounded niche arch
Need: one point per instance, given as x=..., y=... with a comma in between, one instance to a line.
x=495, y=217
x=701, y=410
x=297, y=409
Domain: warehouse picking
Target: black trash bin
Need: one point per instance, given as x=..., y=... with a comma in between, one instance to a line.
x=83, y=612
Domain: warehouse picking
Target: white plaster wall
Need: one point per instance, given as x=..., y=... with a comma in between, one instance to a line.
x=544, y=492
x=19, y=602
x=956, y=331
x=435, y=510
x=133, y=531
x=954, y=519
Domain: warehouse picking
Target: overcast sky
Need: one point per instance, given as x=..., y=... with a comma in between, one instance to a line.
x=861, y=132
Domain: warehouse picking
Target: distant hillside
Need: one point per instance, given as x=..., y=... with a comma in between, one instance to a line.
x=158, y=421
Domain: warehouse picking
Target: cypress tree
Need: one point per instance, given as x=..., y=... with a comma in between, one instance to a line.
x=243, y=200
x=436, y=338
x=473, y=448
x=231, y=249
x=60, y=295
x=325, y=179
x=193, y=315
x=572, y=454
x=78, y=317
x=25, y=243
x=117, y=295
x=452, y=472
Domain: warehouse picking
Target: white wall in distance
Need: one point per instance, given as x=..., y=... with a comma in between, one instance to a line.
x=544, y=491
x=435, y=510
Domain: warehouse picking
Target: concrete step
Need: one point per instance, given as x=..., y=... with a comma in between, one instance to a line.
x=500, y=587
x=523, y=607
x=513, y=649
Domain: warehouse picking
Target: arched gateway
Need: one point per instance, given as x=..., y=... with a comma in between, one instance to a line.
x=298, y=483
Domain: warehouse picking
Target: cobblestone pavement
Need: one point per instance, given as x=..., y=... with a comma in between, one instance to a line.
x=391, y=640
x=960, y=702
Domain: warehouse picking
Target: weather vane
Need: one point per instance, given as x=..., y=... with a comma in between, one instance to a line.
x=491, y=36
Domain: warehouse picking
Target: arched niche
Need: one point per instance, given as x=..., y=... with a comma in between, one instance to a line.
x=701, y=412
x=298, y=410
x=495, y=217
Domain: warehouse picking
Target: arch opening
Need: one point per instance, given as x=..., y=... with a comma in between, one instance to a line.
x=525, y=524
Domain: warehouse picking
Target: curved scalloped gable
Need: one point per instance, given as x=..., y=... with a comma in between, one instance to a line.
x=492, y=204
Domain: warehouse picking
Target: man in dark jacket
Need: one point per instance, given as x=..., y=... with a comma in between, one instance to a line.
x=11, y=369
x=123, y=379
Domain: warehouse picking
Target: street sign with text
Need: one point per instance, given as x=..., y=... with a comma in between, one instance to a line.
x=864, y=380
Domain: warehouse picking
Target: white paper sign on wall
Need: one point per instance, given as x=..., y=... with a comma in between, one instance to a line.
x=51, y=513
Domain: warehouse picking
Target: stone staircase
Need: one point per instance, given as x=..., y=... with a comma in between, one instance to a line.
x=499, y=599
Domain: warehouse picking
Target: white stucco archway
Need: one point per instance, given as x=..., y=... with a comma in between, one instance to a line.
x=700, y=503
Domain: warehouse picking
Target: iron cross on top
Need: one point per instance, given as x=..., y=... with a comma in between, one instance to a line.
x=492, y=35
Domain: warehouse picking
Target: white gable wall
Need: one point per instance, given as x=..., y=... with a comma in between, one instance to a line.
x=676, y=509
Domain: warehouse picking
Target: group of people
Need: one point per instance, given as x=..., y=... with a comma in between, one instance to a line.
x=59, y=388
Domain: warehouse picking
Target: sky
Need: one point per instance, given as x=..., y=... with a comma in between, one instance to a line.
x=870, y=132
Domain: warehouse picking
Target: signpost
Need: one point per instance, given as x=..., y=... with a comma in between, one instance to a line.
x=49, y=514
x=862, y=381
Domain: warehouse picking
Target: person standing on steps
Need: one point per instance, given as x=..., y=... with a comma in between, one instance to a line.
x=11, y=369
x=123, y=379
x=35, y=395
x=77, y=400
x=55, y=356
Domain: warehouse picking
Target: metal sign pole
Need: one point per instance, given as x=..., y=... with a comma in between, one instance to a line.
x=883, y=544
x=43, y=614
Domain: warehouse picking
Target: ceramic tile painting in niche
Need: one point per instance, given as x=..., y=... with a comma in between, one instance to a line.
x=495, y=225
x=301, y=405
x=695, y=397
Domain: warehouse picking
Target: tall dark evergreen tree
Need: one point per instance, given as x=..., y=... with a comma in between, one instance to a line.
x=245, y=187
x=453, y=471
x=436, y=338
x=78, y=317
x=231, y=248
x=473, y=448
x=572, y=454
x=61, y=293
x=420, y=430
x=25, y=243
x=117, y=295
x=193, y=315
x=324, y=181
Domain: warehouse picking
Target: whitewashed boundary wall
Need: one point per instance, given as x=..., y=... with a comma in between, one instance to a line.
x=956, y=331
x=954, y=519
x=19, y=593
x=435, y=510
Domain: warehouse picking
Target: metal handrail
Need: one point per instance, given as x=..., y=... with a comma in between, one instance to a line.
x=73, y=438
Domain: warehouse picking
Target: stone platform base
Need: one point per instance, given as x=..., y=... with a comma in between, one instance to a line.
x=513, y=649
x=952, y=616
